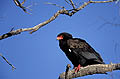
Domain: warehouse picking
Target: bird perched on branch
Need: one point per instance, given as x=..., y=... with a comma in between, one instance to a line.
x=78, y=51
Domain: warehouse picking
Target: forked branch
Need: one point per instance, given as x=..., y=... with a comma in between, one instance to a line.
x=21, y=5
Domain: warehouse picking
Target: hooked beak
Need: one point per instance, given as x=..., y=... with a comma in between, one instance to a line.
x=59, y=38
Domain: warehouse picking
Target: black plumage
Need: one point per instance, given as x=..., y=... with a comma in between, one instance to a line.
x=78, y=50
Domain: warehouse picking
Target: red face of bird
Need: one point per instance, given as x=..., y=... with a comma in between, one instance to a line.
x=64, y=36
x=59, y=37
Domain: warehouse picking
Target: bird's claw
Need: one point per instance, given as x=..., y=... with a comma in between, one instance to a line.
x=77, y=68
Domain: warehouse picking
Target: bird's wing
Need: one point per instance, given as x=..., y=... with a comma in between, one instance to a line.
x=82, y=48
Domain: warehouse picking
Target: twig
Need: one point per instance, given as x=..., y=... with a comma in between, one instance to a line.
x=21, y=5
x=13, y=68
x=33, y=4
x=108, y=22
x=90, y=70
x=23, y=2
x=72, y=4
x=54, y=4
x=67, y=2
x=12, y=29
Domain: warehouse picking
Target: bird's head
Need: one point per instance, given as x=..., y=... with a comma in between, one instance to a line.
x=64, y=36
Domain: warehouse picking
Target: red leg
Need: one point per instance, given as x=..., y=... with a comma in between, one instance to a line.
x=77, y=68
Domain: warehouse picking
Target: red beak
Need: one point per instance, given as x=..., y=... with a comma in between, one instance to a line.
x=59, y=37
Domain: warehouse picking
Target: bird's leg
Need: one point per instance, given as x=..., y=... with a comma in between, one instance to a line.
x=77, y=68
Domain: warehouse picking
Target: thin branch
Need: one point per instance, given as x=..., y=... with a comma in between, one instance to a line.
x=21, y=5
x=90, y=70
x=54, y=4
x=67, y=2
x=23, y=2
x=33, y=4
x=62, y=11
x=72, y=4
x=13, y=68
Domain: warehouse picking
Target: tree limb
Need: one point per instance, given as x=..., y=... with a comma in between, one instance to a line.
x=7, y=61
x=62, y=11
x=21, y=5
x=90, y=70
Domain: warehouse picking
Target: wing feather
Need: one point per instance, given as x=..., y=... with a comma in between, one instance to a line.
x=82, y=48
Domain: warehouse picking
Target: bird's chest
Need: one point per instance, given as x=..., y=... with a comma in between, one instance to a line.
x=64, y=46
x=73, y=54
x=66, y=49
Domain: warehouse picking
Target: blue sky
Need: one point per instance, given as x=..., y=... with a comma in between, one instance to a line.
x=38, y=56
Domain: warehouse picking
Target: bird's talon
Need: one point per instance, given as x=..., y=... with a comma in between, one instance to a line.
x=77, y=68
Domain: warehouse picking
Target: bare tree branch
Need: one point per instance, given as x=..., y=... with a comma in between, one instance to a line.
x=7, y=61
x=62, y=11
x=21, y=5
x=72, y=4
x=90, y=70
x=23, y=2
x=54, y=4
x=106, y=22
x=67, y=2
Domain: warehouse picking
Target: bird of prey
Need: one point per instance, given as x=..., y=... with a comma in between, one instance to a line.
x=78, y=51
